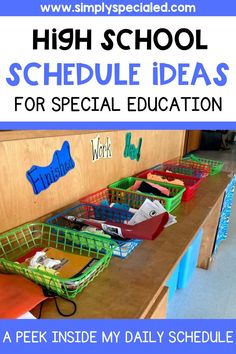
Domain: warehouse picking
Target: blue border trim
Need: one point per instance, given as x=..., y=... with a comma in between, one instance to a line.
x=116, y=125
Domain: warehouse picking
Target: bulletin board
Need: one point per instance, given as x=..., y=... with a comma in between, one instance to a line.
x=19, y=204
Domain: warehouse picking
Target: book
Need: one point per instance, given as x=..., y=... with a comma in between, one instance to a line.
x=58, y=262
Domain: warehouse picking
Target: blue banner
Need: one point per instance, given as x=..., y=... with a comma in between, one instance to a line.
x=118, y=8
x=118, y=336
x=117, y=125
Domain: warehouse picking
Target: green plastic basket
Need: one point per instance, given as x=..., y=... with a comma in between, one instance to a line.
x=216, y=166
x=18, y=242
x=119, y=194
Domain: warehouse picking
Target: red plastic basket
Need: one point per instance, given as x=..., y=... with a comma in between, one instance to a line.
x=191, y=183
x=97, y=197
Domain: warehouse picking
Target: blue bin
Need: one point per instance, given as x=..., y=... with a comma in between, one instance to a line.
x=102, y=212
x=172, y=283
x=189, y=261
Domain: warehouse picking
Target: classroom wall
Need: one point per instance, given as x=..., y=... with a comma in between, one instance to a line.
x=18, y=203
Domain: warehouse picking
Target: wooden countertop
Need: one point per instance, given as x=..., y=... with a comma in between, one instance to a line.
x=129, y=287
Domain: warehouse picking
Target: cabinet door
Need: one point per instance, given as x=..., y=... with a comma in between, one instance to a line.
x=193, y=139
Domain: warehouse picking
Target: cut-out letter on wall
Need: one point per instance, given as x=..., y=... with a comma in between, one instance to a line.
x=101, y=150
x=42, y=177
x=131, y=151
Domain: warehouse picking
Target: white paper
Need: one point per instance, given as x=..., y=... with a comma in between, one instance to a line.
x=27, y=316
x=148, y=210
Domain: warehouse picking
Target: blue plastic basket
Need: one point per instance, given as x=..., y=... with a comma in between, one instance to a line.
x=99, y=212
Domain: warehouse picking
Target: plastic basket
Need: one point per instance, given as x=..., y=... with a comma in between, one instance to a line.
x=97, y=197
x=205, y=168
x=191, y=183
x=181, y=169
x=216, y=166
x=120, y=194
x=18, y=242
x=93, y=211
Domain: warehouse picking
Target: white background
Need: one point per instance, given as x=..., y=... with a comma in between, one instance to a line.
x=217, y=33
